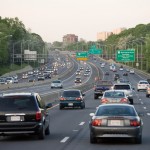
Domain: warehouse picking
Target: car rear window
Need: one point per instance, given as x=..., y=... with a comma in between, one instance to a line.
x=114, y=94
x=127, y=87
x=15, y=103
x=116, y=111
x=71, y=93
x=56, y=82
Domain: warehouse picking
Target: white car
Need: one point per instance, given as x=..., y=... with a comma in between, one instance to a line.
x=131, y=71
x=142, y=85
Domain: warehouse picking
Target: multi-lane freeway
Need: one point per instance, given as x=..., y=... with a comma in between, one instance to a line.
x=70, y=127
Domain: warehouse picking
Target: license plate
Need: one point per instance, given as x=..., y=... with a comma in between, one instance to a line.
x=15, y=118
x=70, y=104
x=115, y=123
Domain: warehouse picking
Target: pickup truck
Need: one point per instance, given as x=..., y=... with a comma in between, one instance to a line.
x=101, y=86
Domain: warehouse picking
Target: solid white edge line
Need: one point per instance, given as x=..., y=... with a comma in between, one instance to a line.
x=64, y=140
x=82, y=123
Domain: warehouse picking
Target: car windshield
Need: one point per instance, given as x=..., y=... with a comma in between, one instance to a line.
x=115, y=111
x=71, y=94
x=127, y=87
x=114, y=94
x=15, y=103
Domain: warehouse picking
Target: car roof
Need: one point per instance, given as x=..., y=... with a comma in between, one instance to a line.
x=18, y=94
x=114, y=91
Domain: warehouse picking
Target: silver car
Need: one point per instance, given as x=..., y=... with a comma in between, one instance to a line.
x=57, y=84
x=116, y=121
x=114, y=96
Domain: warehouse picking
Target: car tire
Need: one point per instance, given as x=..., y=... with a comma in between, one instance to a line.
x=147, y=95
x=60, y=106
x=138, y=140
x=137, y=90
x=93, y=140
x=47, y=131
x=82, y=105
x=41, y=134
x=95, y=97
x=131, y=101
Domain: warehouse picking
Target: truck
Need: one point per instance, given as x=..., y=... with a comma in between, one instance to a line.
x=101, y=86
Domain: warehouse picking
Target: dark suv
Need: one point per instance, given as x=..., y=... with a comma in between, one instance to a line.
x=24, y=113
x=72, y=98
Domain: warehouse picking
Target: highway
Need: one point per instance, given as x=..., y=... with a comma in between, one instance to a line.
x=70, y=127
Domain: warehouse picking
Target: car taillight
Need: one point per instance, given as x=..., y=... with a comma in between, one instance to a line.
x=38, y=115
x=123, y=100
x=96, y=122
x=134, y=123
x=104, y=100
x=62, y=99
x=78, y=98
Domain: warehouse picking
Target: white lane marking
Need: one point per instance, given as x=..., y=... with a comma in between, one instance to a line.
x=141, y=102
x=75, y=130
x=53, y=106
x=148, y=114
x=139, y=99
x=144, y=107
x=64, y=140
x=82, y=123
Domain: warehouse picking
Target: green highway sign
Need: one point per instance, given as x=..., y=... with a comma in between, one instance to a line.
x=82, y=55
x=125, y=55
x=94, y=50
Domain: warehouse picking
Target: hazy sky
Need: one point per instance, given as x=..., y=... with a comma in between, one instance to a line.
x=52, y=19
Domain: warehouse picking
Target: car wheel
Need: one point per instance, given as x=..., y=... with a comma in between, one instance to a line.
x=138, y=90
x=147, y=95
x=47, y=131
x=41, y=134
x=95, y=97
x=82, y=105
x=138, y=140
x=93, y=140
x=131, y=101
x=60, y=106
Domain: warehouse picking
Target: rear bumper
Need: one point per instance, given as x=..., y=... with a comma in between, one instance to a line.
x=71, y=103
x=124, y=132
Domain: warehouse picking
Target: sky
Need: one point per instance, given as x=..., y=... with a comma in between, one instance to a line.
x=52, y=19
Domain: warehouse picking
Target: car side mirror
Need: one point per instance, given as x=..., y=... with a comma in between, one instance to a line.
x=83, y=94
x=92, y=114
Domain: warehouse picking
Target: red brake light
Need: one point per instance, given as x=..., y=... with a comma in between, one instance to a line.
x=134, y=123
x=124, y=100
x=78, y=98
x=38, y=115
x=96, y=122
x=62, y=99
x=104, y=100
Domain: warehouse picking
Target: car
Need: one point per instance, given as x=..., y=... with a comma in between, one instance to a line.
x=106, y=73
x=148, y=80
x=41, y=77
x=47, y=75
x=78, y=72
x=102, y=65
x=121, y=68
x=24, y=76
x=116, y=76
x=3, y=81
x=100, y=87
x=127, y=88
x=31, y=79
x=72, y=98
x=10, y=80
x=142, y=85
x=131, y=71
x=114, y=96
x=78, y=80
x=57, y=84
x=24, y=113
x=16, y=80
x=125, y=74
x=148, y=91
x=86, y=74
x=116, y=121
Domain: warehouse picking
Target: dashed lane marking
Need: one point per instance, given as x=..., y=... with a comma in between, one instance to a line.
x=75, y=130
x=64, y=140
x=82, y=123
x=144, y=107
x=148, y=114
x=141, y=102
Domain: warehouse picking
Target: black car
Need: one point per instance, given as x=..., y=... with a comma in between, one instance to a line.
x=78, y=80
x=24, y=113
x=116, y=76
x=72, y=98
